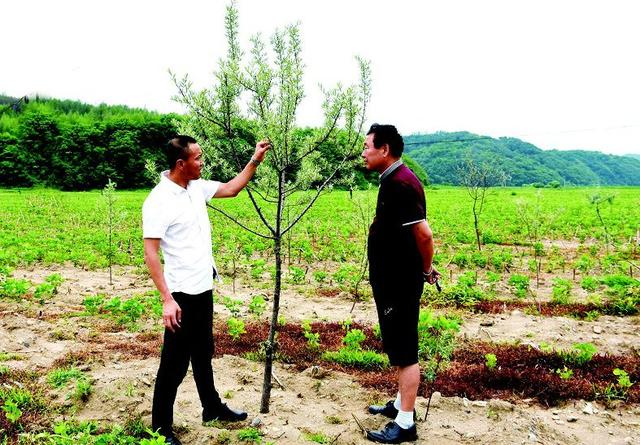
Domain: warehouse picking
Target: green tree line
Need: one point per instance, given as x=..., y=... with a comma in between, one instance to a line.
x=72, y=145
x=75, y=146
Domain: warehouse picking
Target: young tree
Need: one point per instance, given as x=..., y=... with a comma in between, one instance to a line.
x=301, y=164
x=599, y=201
x=478, y=179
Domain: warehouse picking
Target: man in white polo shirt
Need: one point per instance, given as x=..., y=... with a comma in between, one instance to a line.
x=175, y=219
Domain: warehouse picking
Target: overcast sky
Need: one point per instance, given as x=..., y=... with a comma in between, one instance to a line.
x=561, y=74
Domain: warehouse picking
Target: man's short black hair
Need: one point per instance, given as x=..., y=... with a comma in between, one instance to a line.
x=387, y=134
x=178, y=148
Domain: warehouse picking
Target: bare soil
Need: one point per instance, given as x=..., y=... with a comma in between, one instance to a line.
x=309, y=401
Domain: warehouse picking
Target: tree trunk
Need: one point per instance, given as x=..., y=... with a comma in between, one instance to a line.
x=476, y=224
x=270, y=344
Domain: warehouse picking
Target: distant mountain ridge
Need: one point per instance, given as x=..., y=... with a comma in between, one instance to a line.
x=442, y=152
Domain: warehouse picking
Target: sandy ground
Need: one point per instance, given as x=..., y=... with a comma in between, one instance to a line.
x=123, y=386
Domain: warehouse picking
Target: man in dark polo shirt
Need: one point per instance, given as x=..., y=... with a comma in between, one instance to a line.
x=400, y=254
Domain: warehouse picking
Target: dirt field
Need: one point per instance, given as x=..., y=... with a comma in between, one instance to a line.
x=306, y=404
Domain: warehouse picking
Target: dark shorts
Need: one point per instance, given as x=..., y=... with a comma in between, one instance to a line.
x=398, y=306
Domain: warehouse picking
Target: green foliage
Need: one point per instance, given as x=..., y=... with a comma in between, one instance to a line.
x=235, y=328
x=561, y=291
x=90, y=433
x=257, y=305
x=61, y=376
x=250, y=435
x=11, y=411
x=491, y=361
x=79, y=146
x=620, y=389
x=353, y=355
x=439, y=154
x=589, y=284
x=14, y=288
x=296, y=275
x=320, y=276
x=581, y=354
x=502, y=260
x=313, y=339
x=584, y=264
x=520, y=285
x=436, y=340
x=82, y=390
x=565, y=373
x=232, y=305
x=316, y=437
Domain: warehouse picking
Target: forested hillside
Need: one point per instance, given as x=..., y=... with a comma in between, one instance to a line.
x=440, y=154
x=75, y=146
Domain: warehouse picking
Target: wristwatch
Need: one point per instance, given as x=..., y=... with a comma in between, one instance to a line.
x=427, y=274
x=255, y=162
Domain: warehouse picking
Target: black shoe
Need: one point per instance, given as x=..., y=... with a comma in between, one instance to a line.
x=172, y=440
x=387, y=410
x=393, y=433
x=223, y=412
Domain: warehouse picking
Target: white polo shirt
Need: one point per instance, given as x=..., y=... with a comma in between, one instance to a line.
x=178, y=217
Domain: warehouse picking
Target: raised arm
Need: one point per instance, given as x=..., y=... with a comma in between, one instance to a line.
x=171, y=312
x=233, y=187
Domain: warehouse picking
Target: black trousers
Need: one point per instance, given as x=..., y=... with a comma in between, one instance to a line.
x=193, y=342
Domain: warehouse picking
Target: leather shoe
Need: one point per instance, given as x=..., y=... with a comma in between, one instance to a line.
x=393, y=433
x=387, y=410
x=172, y=440
x=224, y=413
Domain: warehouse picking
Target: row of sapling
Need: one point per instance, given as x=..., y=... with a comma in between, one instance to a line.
x=271, y=87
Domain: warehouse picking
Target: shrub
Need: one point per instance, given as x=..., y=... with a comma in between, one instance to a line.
x=235, y=328
x=520, y=284
x=561, y=292
x=589, y=284
x=257, y=305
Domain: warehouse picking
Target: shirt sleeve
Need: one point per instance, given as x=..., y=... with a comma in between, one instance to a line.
x=155, y=219
x=208, y=188
x=411, y=205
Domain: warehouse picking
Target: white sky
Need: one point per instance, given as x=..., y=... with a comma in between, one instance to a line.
x=561, y=74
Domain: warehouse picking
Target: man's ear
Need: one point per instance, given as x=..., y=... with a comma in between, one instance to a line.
x=386, y=150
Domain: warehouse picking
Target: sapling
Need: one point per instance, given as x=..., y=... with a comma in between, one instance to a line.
x=299, y=160
x=109, y=196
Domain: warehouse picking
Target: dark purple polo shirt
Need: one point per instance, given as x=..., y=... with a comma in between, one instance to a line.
x=393, y=253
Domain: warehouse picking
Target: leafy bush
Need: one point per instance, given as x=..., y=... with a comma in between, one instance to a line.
x=520, y=284
x=353, y=355
x=589, y=284
x=14, y=288
x=257, y=305
x=313, y=339
x=235, y=328
x=561, y=291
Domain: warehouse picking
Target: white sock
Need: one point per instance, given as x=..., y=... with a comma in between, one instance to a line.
x=396, y=403
x=404, y=419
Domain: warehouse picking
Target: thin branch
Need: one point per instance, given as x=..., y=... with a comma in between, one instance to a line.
x=260, y=214
x=238, y=222
x=313, y=200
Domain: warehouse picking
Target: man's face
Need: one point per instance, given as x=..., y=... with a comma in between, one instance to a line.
x=192, y=166
x=374, y=158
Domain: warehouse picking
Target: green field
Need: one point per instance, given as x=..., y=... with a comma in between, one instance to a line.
x=50, y=227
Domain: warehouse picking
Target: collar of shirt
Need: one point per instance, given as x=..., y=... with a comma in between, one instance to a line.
x=390, y=169
x=169, y=184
